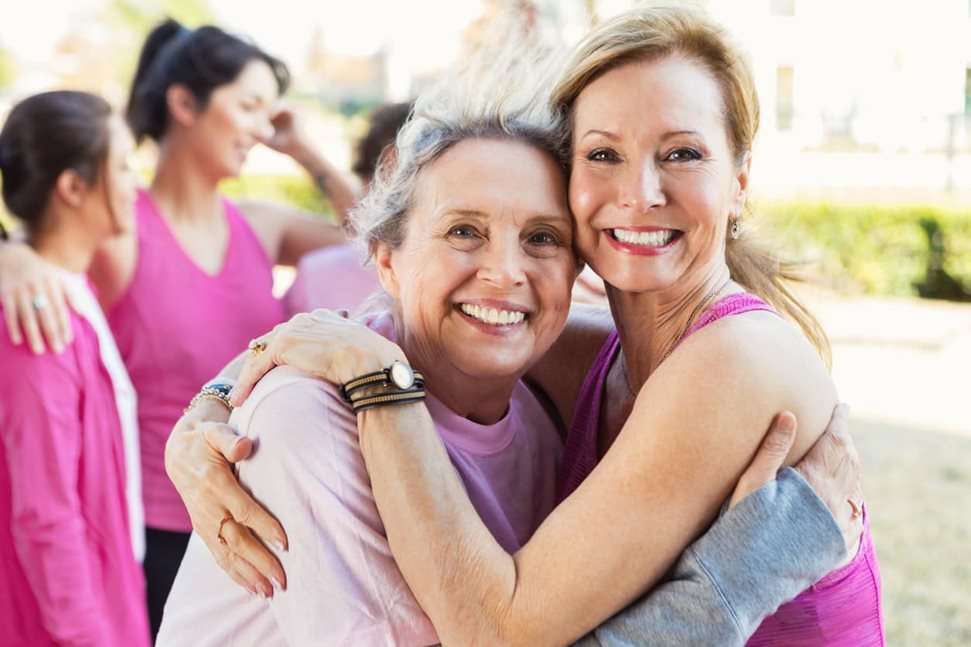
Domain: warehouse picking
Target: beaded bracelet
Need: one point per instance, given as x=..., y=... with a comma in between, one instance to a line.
x=215, y=391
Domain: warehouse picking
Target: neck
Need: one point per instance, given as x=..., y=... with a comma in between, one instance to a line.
x=484, y=401
x=182, y=188
x=650, y=324
x=66, y=243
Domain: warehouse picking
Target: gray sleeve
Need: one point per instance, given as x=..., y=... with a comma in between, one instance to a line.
x=758, y=555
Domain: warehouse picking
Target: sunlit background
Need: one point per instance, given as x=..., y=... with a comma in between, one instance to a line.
x=862, y=168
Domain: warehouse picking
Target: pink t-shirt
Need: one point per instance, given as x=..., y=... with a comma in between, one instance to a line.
x=343, y=587
x=333, y=277
x=176, y=327
x=69, y=576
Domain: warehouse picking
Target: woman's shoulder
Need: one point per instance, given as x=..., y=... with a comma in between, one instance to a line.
x=762, y=359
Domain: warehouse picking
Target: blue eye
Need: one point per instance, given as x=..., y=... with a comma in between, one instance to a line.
x=683, y=155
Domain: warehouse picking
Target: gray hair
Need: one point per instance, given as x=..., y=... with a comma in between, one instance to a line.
x=501, y=92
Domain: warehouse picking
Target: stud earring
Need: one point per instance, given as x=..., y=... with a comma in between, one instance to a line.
x=734, y=229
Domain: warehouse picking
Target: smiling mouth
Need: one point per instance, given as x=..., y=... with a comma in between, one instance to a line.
x=656, y=238
x=493, y=316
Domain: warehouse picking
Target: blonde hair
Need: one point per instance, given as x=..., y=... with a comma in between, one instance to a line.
x=655, y=32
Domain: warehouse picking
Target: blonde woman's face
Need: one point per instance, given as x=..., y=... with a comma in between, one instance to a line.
x=654, y=181
x=483, y=277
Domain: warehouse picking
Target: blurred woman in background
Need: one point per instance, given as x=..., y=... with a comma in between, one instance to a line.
x=70, y=524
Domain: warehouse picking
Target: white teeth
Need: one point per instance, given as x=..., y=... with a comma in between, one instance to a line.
x=647, y=238
x=493, y=316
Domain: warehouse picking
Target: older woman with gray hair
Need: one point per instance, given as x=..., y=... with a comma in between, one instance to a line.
x=472, y=238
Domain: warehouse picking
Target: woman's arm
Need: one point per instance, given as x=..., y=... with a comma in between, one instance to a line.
x=687, y=441
x=288, y=233
x=42, y=443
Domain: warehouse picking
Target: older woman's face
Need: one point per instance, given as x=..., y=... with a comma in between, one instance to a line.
x=654, y=181
x=483, y=277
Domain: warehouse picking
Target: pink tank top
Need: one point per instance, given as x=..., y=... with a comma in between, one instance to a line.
x=841, y=610
x=177, y=326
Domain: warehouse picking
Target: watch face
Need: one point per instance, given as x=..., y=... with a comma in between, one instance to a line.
x=402, y=376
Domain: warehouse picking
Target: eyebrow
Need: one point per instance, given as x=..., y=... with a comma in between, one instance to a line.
x=481, y=215
x=614, y=137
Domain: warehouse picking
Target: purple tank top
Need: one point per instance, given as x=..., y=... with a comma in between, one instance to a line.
x=841, y=610
x=177, y=326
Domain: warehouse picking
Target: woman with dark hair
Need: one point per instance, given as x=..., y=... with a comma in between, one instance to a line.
x=193, y=281
x=68, y=541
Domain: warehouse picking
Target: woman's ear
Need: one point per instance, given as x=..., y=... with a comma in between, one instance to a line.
x=384, y=262
x=741, y=185
x=181, y=104
x=70, y=188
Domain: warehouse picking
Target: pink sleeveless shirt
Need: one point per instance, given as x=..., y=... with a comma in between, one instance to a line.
x=841, y=610
x=177, y=326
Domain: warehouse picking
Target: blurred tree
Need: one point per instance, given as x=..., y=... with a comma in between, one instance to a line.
x=131, y=20
x=8, y=70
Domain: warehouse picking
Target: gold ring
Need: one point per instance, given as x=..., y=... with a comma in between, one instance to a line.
x=257, y=346
x=219, y=532
x=856, y=509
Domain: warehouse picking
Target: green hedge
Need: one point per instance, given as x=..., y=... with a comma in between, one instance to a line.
x=905, y=250
x=293, y=189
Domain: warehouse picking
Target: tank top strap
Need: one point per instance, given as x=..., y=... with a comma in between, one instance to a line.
x=730, y=305
x=580, y=450
x=245, y=244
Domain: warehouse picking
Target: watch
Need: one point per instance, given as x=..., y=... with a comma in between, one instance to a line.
x=399, y=377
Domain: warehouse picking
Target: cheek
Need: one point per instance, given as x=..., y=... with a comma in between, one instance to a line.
x=585, y=196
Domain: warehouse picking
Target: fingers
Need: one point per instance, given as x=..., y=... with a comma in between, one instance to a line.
x=28, y=321
x=10, y=317
x=243, y=543
x=769, y=458
x=254, y=368
x=227, y=442
x=248, y=512
x=59, y=303
x=241, y=571
x=50, y=325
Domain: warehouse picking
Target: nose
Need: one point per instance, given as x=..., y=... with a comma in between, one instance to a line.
x=642, y=189
x=503, y=263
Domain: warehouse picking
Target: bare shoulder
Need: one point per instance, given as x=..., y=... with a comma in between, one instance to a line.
x=113, y=267
x=560, y=373
x=761, y=364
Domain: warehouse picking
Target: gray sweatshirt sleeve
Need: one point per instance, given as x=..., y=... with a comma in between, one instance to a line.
x=758, y=555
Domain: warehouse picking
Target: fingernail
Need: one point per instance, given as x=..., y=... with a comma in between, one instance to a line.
x=276, y=584
x=280, y=546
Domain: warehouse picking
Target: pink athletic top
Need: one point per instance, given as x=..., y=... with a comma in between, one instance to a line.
x=333, y=277
x=176, y=327
x=343, y=586
x=841, y=610
x=69, y=575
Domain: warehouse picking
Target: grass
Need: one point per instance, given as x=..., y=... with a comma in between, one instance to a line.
x=917, y=484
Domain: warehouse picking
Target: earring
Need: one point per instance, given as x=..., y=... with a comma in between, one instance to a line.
x=734, y=229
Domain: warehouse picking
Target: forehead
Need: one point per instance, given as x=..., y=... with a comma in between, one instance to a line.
x=255, y=78
x=670, y=93
x=495, y=177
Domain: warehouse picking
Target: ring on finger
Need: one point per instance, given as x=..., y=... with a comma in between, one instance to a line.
x=39, y=302
x=257, y=346
x=856, y=509
x=219, y=532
